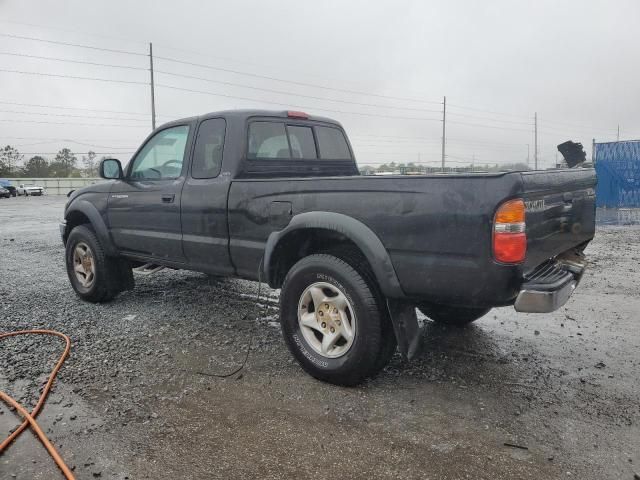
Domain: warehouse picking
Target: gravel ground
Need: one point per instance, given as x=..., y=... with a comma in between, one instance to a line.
x=132, y=402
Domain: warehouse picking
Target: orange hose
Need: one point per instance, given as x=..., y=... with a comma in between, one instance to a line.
x=30, y=417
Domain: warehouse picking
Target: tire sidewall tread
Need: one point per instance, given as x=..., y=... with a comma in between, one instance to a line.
x=105, y=285
x=361, y=359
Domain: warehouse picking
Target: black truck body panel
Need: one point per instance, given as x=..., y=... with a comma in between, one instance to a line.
x=427, y=238
x=561, y=209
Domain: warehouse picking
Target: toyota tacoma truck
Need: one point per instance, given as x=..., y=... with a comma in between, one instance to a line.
x=277, y=197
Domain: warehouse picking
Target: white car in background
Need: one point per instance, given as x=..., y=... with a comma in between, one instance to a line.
x=27, y=189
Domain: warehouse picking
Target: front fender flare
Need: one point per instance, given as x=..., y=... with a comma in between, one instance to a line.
x=97, y=222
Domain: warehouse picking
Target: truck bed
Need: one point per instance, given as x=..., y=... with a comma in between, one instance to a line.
x=436, y=228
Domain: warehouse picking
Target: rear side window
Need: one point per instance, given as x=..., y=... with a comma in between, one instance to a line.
x=268, y=140
x=207, y=156
x=332, y=144
x=302, y=144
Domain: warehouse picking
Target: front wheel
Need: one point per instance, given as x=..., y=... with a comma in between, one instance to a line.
x=331, y=320
x=94, y=276
x=453, y=315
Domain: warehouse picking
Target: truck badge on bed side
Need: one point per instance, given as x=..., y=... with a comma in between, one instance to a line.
x=534, y=205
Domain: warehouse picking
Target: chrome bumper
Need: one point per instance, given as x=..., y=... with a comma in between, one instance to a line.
x=550, y=286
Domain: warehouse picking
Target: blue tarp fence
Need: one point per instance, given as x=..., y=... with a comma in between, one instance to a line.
x=617, y=165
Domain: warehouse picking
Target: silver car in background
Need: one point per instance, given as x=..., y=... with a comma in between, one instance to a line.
x=28, y=189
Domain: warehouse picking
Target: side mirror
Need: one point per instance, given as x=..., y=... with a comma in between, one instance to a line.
x=111, y=169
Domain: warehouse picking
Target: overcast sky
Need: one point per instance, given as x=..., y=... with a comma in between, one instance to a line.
x=385, y=66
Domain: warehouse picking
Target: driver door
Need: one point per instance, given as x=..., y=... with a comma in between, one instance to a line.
x=144, y=207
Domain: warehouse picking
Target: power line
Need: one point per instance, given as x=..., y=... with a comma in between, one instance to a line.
x=55, y=153
x=185, y=62
x=12, y=22
x=73, y=76
x=67, y=44
x=126, y=149
x=489, y=126
x=463, y=107
x=282, y=92
x=585, y=127
x=392, y=136
x=490, y=119
x=69, y=123
x=66, y=139
x=73, y=116
x=70, y=108
x=294, y=106
x=304, y=84
x=574, y=129
x=56, y=59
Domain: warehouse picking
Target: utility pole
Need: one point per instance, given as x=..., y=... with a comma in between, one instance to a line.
x=444, y=125
x=593, y=151
x=535, y=145
x=153, y=95
x=618, y=132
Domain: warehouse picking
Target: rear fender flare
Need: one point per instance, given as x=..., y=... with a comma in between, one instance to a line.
x=365, y=239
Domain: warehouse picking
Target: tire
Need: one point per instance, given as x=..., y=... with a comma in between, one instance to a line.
x=357, y=260
x=110, y=275
x=354, y=360
x=454, y=316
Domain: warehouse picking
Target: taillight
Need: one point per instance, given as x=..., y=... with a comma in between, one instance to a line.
x=509, y=237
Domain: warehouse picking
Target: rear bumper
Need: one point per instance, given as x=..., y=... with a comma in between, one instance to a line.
x=550, y=285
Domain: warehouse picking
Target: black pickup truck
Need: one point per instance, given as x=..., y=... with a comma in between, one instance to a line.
x=276, y=196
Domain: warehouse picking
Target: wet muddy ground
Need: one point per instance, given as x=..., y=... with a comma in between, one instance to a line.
x=132, y=402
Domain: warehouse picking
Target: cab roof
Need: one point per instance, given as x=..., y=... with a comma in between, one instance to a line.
x=242, y=115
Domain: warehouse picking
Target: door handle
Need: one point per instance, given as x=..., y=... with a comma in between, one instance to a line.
x=168, y=198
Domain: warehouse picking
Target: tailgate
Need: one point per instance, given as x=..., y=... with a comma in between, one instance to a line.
x=560, y=212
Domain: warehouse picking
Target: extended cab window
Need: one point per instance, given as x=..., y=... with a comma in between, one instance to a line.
x=332, y=144
x=162, y=156
x=277, y=140
x=207, y=155
x=268, y=140
x=302, y=143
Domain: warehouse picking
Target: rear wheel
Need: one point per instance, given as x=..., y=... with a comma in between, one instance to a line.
x=94, y=276
x=331, y=320
x=450, y=315
x=357, y=260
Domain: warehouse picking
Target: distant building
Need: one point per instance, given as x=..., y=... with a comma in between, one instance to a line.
x=618, y=167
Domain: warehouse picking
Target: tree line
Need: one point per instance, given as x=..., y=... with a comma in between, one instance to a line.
x=65, y=164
